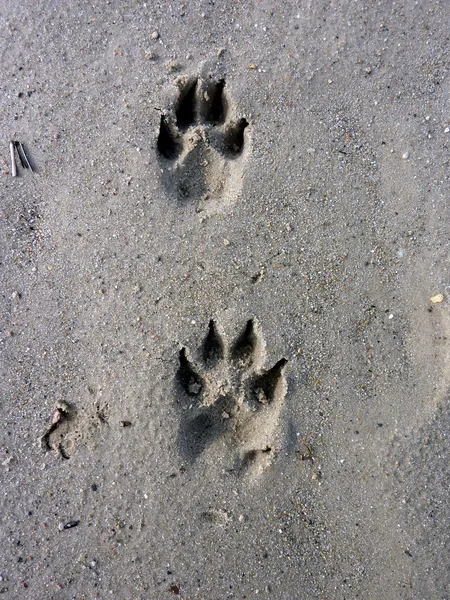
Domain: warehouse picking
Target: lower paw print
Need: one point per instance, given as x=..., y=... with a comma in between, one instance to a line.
x=201, y=144
x=228, y=397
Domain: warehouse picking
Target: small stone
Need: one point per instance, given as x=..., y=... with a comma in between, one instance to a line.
x=194, y=388
x=405, y=155
x=368, y=70
x=252, y=67
x=447, y=129
x=437, y=299
x=57, y=416
x=226, y=242
x=63, y=406
x=171, y=66
x=16, y=295
x=221, y=52
x=155, y=35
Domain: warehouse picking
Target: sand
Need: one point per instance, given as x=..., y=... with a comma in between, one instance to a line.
x=222, y=373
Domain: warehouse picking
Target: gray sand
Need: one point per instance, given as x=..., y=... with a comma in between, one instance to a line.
x=220, y=186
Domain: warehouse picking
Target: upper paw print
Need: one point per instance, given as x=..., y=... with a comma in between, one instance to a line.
x=200, y=142
x=228, y=395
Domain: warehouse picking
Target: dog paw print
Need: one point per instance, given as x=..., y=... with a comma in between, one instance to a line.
x=227, y=396
x=202, y=144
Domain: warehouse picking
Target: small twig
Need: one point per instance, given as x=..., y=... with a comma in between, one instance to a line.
x=23, y=156
x=13, y=160
x=308, y=455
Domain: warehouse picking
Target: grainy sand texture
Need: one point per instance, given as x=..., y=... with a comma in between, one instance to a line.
x=225, y=325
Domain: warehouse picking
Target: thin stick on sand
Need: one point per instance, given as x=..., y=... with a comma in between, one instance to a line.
x=13, y=160
x=23, y=156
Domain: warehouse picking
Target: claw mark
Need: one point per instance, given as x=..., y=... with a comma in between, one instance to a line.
x=167, y=143
x=268, y=385
x=190, y=381
x=213, y=346
x=234, y=138
x=185, y=111
x=246, y=346
x=214, y=107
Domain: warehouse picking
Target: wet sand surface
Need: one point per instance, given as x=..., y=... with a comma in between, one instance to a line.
x=225, y=320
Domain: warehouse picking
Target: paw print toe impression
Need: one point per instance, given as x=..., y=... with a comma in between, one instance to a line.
x=227, y=396
x=201, y=144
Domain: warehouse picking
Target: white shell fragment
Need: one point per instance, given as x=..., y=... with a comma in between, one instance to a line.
x=437, y=299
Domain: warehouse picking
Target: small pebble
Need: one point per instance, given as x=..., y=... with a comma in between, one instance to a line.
x=405, y=156
x=447, y=129
x=155, y=35
x=171, y=66
x=16, y=295
x=368, y=70
x=68, y=525
x=226, y=242
x=437, y=299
